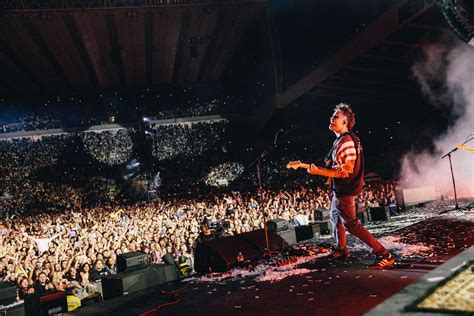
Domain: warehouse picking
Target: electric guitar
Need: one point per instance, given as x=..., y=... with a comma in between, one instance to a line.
x=298, y=164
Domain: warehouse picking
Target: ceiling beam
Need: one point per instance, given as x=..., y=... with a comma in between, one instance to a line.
x=222, y=16
x=184, y=32
x=24, y=70
x=81, y=49
x=399, y=15
x=44, y=48
x=22, y=6
x=149, y=48
x=116, y=47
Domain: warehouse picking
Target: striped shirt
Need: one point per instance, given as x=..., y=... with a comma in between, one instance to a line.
x=344, y=155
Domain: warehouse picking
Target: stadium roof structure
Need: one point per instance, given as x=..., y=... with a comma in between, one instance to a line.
x=71, y=45
x=50, y=46
x=374, y=64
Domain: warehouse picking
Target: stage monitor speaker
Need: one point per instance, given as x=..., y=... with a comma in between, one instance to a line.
x=13, y=310
x=131, y=260
x=277, y=225
x=380, y=214
x=408, y=198
x=306, y=232
x=53, y=304
x=7, y=293
x=288, y=235
x=321, y=227
x=220, y=255
x=321, y=215
x=129, y=282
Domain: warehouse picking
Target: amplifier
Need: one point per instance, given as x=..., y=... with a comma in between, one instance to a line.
x=304, y=232
x=129, y=282
x=288, y=235
x=321, y=215
x=414, y=196
x=17, y=309
x=129, y=260
x=7, y=293
x=380, y=213
x=321, y=227
x=53, y=304
x=277, y=225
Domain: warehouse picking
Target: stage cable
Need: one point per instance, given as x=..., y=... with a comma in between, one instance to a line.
x=174, y=294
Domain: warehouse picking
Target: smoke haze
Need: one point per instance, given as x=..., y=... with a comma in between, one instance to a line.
x=446, y=77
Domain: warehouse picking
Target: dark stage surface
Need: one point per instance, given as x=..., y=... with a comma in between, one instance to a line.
x=422, y=239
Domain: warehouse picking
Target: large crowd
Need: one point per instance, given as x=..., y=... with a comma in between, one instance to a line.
x=51, y=171
x=68, y=111
x=62, y=226
x=111, y=147
x=77, y=247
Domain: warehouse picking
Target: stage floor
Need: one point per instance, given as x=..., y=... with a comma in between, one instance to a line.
x=421, y=238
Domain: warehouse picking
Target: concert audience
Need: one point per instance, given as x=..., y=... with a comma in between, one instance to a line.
x=73, y=111
x=85, y=239
x=59, y=230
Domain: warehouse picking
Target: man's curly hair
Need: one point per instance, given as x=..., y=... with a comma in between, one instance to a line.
x=347, y=111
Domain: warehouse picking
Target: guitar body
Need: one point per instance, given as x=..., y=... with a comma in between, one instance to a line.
x=298, y=164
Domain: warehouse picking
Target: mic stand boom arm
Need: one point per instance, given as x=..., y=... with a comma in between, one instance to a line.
x=258, y=162
x=469, y=138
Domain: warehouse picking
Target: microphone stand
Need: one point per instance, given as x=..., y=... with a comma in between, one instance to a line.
x=452, y=175
x=451, y=167
x=258, y=162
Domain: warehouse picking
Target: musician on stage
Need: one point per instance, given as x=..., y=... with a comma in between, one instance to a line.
x=346, y=178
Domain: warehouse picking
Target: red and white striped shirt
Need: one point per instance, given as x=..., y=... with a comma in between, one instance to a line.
x=344, y=155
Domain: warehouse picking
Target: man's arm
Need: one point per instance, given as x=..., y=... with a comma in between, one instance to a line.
x=342, y=172
x=346, y=156
x=54, y=237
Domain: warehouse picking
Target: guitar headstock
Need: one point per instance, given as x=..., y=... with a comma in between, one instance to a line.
x=295, y=165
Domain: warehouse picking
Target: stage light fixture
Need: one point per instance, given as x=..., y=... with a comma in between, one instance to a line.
x=460, y=16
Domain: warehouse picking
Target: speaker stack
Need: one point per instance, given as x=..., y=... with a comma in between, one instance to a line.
x=380, y=214
x=283, y=229
x=7, y=293
x=321, y=215
x=135, y=274
x=313, y=229
x=220, y=255
x=137, y=280
x=131, y=261
x=7, y=300
x=52, y=304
